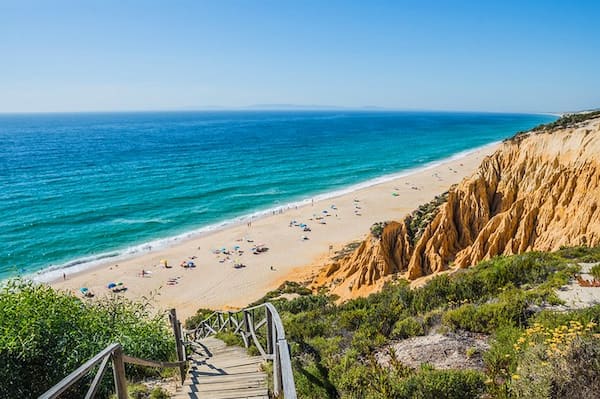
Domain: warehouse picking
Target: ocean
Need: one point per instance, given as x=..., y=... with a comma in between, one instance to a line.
x=81, y=188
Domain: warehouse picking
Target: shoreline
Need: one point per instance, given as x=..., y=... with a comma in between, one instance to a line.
x=214, y=282
x=53, y=273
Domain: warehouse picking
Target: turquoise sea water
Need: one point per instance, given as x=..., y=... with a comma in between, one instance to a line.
x=77, y=188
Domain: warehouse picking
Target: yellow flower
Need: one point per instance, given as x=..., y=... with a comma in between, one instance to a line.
x=515, y=376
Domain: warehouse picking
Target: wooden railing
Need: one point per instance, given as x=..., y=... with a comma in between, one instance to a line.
x=256, y=325
x=114, y=354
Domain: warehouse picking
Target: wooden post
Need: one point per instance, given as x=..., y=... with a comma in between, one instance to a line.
x=182, y=335
x=246, y=325
x=178, y=342
x=276, y=371
x=119, y=373
x=270, y=335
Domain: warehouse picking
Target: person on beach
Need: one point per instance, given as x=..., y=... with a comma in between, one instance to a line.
x=64, y=276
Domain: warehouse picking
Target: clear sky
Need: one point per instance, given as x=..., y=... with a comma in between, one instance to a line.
x=447, y=55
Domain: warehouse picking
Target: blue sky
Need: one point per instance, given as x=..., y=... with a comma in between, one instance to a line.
x=539, y=56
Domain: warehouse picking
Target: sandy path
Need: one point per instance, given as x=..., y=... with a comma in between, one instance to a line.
x=214, y=284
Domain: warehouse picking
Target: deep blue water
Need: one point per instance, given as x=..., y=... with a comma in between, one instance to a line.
x=76, y=187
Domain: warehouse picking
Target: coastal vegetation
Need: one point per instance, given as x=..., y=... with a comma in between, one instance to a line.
x=565, y=121
x=46, y=334
x=421, y=217
x=340, y=349
x=568, y=120
x=595, y=272
x=346, y=250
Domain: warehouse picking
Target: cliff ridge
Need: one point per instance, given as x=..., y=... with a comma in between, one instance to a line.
x=539, y=191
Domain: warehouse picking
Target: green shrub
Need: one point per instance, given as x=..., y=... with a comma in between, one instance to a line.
x=448, y=384
x=595, y=272
x=230, y=338
x=193, y=321
x=580, y=254
x=159, y=393
x=572, y=373
x=140, y=391
x=377, y=229
x=500, y=360
x=301, y=327
x=303, y=304
x=510, y=310
x=552, y=319
x=407, y=328
x=366, y=339
x=312, y=381
x=46, y=334
x=353, y=318
x=288, y=287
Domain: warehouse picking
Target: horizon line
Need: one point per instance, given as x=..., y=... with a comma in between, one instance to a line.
x=287, y=107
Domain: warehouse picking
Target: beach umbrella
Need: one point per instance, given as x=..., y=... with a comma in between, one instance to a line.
x=164, y=262
x=190, y=264
x=111, y=285
x=83, y=290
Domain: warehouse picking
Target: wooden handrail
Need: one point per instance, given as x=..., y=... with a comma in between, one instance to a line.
x=277, y=350
x=76, y=375
x=115, y=353
x=103, y=356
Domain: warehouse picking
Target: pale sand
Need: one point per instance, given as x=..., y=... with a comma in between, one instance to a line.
x=219, y=286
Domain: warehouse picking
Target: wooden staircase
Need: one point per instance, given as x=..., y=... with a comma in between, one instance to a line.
x=218, y=371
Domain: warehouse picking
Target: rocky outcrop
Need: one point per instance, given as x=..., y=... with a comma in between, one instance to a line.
x=539, y=191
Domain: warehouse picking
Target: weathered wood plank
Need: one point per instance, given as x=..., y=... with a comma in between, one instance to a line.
x=225, y=372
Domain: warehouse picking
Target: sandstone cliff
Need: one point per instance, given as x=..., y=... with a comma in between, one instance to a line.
x=539, y=191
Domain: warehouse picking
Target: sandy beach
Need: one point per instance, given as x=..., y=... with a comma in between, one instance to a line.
x=292, y=253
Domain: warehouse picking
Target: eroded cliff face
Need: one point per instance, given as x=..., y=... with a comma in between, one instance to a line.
x=537, y=192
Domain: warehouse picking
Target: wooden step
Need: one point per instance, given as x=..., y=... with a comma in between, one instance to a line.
x=218, y=371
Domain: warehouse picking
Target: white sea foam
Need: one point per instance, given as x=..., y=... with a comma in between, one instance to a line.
x=55, y=272
x=142, y=221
